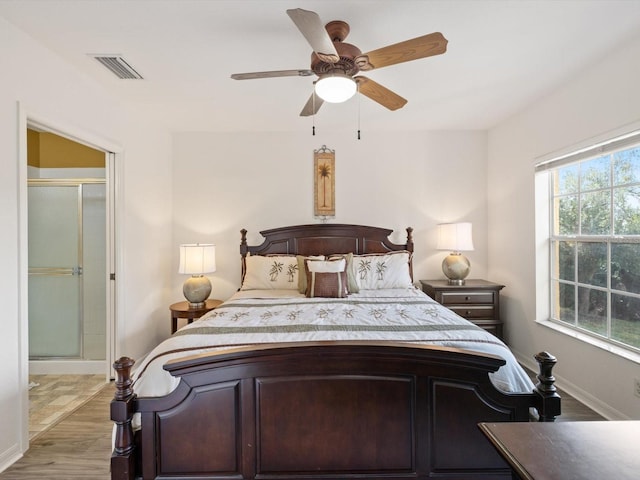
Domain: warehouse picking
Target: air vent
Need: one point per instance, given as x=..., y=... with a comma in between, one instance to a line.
x=118, y=66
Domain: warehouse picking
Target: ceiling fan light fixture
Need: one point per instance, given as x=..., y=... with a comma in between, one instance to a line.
x=336, y=87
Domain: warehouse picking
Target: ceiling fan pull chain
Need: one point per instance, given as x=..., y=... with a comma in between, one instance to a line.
x=359, y=100
x=313, y=108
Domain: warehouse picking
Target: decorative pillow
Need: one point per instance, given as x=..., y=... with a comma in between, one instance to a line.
x=326, y=278
x=302, y=277
x=270, y=272
x=352, y=281
x=384, y=270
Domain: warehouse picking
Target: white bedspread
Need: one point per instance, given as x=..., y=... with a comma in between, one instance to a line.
x=258, y=317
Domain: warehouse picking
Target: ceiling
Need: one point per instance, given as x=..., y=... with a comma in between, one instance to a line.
x=502, y=56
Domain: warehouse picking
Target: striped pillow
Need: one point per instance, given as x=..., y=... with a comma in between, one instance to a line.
x=326, y=278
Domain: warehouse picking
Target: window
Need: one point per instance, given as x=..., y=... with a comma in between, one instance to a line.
x=594, y=241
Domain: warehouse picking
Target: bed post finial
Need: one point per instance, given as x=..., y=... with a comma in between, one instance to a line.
x=123, y=458
x=410, y=239
x=548, y=399
x=124, y=383
x=243, y=242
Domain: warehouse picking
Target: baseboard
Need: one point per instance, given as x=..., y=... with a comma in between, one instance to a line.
x=67, y=367
x=9, y=457
x=576, y=392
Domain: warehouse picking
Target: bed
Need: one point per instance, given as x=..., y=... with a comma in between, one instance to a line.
x=326, y=364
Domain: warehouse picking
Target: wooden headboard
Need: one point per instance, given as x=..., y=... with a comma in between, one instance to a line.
x=324, y=239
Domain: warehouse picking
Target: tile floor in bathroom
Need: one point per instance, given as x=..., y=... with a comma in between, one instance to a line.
x=53, y=397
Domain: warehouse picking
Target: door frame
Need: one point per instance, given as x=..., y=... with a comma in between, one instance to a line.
x=113, y=158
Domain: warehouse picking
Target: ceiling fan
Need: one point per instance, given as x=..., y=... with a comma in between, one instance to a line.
x=337, y=63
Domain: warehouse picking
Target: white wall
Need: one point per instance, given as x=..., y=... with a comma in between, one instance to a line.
x=46, y=88
x=603, y=98
x=225, y=182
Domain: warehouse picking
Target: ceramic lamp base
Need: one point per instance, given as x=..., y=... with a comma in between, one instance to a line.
x=196, y=290
x=456, y=268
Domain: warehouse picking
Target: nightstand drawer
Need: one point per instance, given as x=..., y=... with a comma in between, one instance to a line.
x=491, y=326
x=477, y=300
x=461, y=298
x=470, y=312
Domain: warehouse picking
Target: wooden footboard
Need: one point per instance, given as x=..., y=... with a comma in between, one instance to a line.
x=323, y=411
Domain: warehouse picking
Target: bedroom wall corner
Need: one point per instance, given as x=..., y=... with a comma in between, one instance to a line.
x=589, y=105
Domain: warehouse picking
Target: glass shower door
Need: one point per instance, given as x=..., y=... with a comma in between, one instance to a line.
x=55, y=271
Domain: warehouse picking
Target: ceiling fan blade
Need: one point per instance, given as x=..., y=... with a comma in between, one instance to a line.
x=312, y=28
x=420, y=47
x=380, y=94
x=275, y=73
x=312, y=106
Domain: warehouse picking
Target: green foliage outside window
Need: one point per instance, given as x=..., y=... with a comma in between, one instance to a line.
x=596, y=246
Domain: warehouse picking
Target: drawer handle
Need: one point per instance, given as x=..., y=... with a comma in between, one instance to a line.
x=468, y=312
x=467, y=298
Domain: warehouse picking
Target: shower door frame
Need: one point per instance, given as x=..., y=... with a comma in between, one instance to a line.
x=78, y=270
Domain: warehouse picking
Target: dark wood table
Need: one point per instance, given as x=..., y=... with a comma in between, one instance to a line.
x=183, y=310
x=569, y=450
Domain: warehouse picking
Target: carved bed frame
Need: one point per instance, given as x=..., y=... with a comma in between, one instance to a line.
x=323, y=410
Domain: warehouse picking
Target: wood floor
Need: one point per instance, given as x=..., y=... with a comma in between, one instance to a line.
x=572, y=409
x=79, y=447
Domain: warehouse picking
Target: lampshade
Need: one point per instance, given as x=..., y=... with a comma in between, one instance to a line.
x=455, y=237
x=197, y=259
x=336, y=87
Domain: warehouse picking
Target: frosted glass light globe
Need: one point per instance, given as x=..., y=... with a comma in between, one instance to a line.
x=336, y=88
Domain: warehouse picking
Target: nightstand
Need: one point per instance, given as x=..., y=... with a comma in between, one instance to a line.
x=477, y=300
x=182, y=310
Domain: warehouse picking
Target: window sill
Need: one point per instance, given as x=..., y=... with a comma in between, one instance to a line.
x=596, y=342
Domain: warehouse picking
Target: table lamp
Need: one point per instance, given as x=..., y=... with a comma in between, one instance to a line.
x=455, y=237
x=196, y=260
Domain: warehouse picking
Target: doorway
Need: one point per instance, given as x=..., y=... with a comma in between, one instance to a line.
x=112, y=154
x=69, y=292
